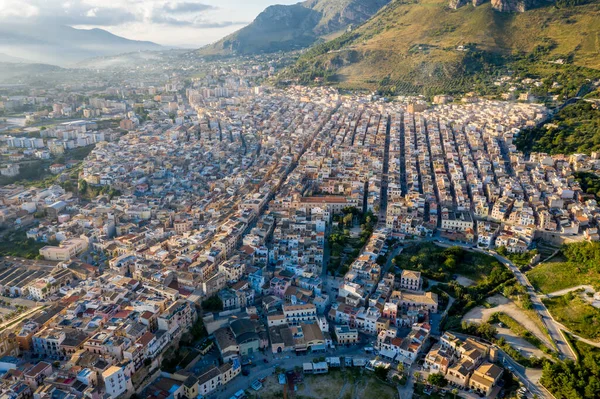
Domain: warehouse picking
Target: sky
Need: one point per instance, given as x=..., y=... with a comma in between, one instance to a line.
x=180, y=23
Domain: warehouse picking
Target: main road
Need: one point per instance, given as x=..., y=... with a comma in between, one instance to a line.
x=554, y=330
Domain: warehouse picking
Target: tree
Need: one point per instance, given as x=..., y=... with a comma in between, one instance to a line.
x=502, y=250
x=382, y=372
x=437, y=379
x=212, y=304
x=83, y=186
x=400, y=368
x=417, y=376
x=348, y=219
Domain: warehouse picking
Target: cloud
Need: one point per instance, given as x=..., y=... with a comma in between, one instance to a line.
x=187, y=7
x=174, y=22
x=104, y=13
x=17, y=9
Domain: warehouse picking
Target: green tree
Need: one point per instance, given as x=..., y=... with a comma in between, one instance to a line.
x=382, y=372
x=83, y=186
x=437, y=379
x=348, y=219
x=212, y=304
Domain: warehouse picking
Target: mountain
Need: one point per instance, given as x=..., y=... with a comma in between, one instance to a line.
x=11, y=73
x=64, y=45
x=428, y=46
x=5, y=58
x=297, y=26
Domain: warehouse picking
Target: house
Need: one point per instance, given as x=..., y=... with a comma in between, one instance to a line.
x=485, y=378
x=226, y=343
x=281, y=338
x=115, y=381
x=438, y=359
x=345, y=335
x=411, y=280
x=246, y=336
x=36, y=375
x=57, y=168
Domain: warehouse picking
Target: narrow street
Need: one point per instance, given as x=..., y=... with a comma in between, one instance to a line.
x=285, y=361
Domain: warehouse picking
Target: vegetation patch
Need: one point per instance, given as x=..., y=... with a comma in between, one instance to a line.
x=581, y=266
x=15, y=243
x=576, y=314
x=212, y=304
x=345, y=248
x=519, y=330
x=574, y=129
x=443, y=264
x=571, y=380
x=589, y=182
x=520, y=260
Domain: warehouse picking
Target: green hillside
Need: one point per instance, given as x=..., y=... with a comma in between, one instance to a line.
x=425, y=46
x=574, y=129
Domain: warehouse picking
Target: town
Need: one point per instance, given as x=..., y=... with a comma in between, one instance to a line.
x=192, y=239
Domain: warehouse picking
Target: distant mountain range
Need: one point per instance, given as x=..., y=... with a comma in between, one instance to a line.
x=64, y=45
x=297, y=26
x=13, y=60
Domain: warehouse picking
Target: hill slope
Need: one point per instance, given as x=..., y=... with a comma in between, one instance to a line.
x=426, y=43
x=63, y=45
x=574, y=129
x=285, y=28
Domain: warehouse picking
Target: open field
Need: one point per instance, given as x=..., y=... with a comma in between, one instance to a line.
x=530, y=322
x=336, y=384
x=555, y=276
x=580, y=347
x=519, y=330
x=576, y=314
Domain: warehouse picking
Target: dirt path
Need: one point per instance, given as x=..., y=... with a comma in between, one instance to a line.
x=341, y=395
x=464, y=281
x=586, y=288
x=358, y=393
x=481, y=314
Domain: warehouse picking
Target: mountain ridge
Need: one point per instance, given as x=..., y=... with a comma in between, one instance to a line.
x=64, y=45
x=293, y=27
x=413, y=44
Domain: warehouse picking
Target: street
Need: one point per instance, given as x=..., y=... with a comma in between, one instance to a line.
x=554, y=331
x=286, y=361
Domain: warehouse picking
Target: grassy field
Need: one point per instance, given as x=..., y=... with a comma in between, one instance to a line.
x=555, y=276
x=581, y=348
x=576, y=314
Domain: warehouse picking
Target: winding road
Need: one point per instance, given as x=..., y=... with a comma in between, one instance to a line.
x=555, y=332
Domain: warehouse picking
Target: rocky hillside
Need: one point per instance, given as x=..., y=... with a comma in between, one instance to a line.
x=503, y=5
x=297, y=26
x=413, y=44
